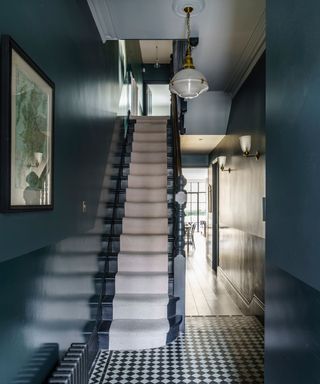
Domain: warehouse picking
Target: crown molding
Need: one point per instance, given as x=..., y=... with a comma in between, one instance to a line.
x=102, y=17
x=252, y=52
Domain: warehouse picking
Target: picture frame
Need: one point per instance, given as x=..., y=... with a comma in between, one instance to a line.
x=26, y=132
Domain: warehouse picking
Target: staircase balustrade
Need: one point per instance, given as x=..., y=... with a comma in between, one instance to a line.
x=179, y=213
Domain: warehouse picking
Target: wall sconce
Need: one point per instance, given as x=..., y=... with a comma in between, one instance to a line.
x=245, y=143
x=222, y=163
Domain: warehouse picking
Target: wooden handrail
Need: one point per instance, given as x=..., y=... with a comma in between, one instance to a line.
x=177, y=163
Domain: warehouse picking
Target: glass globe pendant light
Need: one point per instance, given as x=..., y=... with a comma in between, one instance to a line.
x=188, y=83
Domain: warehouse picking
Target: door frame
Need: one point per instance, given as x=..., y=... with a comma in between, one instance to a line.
x=215, y=215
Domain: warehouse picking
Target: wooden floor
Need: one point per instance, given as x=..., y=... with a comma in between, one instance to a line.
x=205, y=295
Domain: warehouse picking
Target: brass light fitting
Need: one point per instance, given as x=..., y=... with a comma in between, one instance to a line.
x=248, y=154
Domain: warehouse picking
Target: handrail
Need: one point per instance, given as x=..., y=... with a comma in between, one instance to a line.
x=179, y=182
x=177, y=163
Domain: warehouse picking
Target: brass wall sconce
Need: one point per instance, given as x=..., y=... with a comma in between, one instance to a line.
x=245, y=143
x=222, y=163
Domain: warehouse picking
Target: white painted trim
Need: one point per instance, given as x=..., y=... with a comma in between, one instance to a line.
x=102, y=17
x=251, y=54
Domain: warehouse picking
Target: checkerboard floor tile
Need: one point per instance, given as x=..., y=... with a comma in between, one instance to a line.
x=217, y=349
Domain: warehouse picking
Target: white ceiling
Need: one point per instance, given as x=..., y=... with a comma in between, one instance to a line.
x=195, y=173
x=149, y=51
x=199, y=144
x=231, y=32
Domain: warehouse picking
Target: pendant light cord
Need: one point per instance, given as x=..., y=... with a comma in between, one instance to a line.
x=188, y=29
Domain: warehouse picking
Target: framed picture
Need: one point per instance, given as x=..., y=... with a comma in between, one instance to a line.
x=27, y=122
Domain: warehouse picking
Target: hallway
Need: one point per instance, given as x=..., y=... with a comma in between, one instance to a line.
x=205, y=294
x=220, y=345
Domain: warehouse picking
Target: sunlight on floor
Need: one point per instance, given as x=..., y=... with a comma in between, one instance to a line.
x=205, y=295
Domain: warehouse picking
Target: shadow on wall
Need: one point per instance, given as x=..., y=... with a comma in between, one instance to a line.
x=49, y=298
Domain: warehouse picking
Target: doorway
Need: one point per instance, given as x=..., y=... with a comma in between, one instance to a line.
x=205, y=294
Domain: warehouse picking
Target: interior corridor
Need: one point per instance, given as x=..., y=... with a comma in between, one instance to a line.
x=205, y=294
x=220, y=344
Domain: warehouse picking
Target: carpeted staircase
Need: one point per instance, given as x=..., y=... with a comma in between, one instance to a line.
x=140, y=304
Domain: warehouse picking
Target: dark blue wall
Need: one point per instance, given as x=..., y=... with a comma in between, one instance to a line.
x=293, y=185
x=241, y=225
x=62, y=39
x=46, y=284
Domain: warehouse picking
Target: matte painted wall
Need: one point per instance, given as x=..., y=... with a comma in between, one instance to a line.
x=293, y=184
x=242, y=229
x=45, y=288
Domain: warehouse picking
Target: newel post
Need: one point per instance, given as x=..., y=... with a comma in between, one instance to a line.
x=179, y=245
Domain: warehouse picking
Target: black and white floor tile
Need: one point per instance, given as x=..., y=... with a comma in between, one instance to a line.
x=100, y=368
x=215, y=349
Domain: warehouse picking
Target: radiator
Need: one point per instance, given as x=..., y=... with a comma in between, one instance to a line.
x=73, y=368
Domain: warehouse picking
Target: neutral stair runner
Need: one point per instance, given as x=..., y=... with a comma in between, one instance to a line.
x=141, y=284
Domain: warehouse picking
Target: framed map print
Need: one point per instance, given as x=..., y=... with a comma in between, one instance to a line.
x=27, y=120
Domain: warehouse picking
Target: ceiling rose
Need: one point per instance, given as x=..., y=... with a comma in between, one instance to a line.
x=179, y=6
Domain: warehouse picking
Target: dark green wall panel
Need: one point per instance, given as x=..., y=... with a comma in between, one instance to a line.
x=293, y=184
x=63, y=40
x=45, y=288
x=242, y=229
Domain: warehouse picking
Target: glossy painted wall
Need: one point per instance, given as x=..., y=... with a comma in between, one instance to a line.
x=241, y=225
x=293, y=184
x=62, y=39
x=49, y=259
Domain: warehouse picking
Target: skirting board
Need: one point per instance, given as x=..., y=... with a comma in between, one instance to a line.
x=255, y=307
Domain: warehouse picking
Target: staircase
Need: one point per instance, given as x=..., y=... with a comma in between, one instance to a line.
x=140, y=304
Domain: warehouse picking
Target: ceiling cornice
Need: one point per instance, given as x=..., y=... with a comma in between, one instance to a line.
x=102, y=16
x=253, y=50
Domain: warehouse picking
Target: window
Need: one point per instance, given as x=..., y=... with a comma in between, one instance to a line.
x=196, y=209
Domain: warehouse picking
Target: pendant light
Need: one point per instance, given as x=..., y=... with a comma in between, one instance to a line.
x=157, y=64
x=188, y=83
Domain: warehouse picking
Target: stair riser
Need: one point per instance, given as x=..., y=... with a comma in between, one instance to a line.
x=122, y=195
x=106, y=311
x=147, y=181
x=140, y=312
x=124, y=184
x=112, y=264
x=103, y=341
x=140, y=227
x=148, y=169
x=111, y=246
x=146, y=195
x=136, y=263
x=107, y=284
x=142, y=285
x=119, y=212
x=144, y=157
x=150, y=137
x=130, y=243
x=126, y=171
x=114, y=247
x=152, y=210
x=149, y=147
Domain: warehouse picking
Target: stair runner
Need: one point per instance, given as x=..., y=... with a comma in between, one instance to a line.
x=141, y=284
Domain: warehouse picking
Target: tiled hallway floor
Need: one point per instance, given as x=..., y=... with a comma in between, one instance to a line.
x=205, y=294
x=216, y=349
